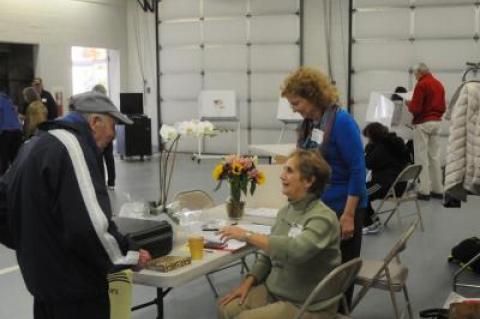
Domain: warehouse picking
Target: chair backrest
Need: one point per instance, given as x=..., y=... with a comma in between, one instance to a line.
x=407, y=177
x=401, y=244
x=332, y=288
x=194, y=199
x=269, y=194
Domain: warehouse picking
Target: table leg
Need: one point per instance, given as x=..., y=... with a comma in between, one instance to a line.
x=159, y=303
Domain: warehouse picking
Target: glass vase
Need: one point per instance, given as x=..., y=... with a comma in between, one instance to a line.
x=235, y=208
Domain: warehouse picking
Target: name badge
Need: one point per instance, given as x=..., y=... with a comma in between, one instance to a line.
x=44, y=100
x=295, y=230
x=317, y=136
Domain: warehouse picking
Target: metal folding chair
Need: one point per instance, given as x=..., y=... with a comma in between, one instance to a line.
x=331, y=289
x=402, y=191
x=194, y=199
x=388, y=274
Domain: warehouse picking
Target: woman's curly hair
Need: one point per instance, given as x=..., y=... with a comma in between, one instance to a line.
x=311, y=85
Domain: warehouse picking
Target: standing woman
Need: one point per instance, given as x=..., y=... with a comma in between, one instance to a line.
x=336, y=134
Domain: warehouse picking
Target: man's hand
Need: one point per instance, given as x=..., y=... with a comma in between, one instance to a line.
x=143, y=259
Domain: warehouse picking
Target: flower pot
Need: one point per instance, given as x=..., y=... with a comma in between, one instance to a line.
x=235, y=209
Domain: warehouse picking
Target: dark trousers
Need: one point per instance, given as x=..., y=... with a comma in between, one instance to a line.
x=350, y=248
x=110, y=163
x=10, y=142
x=95, y=308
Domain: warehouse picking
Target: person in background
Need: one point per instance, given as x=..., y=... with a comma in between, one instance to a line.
x=10, y=132
x=427, y=107
x=59, y=213
x=335, y=133
x=46, y=98
x=301, y=250
x=386, y=156
x=108, y=152
x=35, y=112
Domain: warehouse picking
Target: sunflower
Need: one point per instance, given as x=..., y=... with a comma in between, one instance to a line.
x=237, y=168
x=260, y=178
x=217, y=172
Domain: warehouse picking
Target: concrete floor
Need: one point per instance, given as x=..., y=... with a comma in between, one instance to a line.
x=430, y=275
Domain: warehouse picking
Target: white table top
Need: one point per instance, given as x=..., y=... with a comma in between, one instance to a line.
x=273, y=149
x=212, y=259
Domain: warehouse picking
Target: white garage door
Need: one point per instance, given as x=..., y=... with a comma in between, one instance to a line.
x=244, y=45
x=390, y=36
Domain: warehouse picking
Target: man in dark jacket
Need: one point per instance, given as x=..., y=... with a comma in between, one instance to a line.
x=47, y=98
x=60, y=214
x=427, y=107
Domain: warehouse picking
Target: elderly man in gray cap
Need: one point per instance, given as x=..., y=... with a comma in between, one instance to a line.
x=59, y=214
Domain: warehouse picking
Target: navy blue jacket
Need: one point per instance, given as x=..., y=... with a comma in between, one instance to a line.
x=60, y=215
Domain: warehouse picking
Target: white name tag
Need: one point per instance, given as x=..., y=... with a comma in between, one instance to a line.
x=44, y=100
x=317, y=136
x=295, y=230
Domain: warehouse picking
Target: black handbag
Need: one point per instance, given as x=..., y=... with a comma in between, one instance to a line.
x=154, y=236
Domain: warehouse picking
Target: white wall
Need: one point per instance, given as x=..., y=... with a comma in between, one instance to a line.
x=56, y=25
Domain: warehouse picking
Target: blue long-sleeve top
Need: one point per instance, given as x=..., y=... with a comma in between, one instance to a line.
x=8, y=116
x=345, y=155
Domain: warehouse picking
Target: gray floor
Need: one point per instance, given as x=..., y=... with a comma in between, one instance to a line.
x=429, y=278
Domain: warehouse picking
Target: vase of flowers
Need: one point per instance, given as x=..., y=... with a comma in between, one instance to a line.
x=242, y=176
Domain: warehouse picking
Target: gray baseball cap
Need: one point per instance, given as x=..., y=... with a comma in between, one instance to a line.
x=95, y=102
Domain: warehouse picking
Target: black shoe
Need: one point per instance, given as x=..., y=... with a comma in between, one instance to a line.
x=436, y=195
x=423, y=197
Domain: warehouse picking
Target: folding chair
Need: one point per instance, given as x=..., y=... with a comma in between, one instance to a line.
x=388, y=274
x=405, y=182
x=198, y=199
x=194, y=199
x=331, y=289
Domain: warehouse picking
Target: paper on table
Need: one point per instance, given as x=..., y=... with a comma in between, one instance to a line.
x=262, y=212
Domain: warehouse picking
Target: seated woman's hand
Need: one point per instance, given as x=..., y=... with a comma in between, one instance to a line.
x=232, y=232
x=240, y=292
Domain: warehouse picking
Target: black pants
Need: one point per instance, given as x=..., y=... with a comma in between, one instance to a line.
x=95, y=308
x=110, y=163
x=350, y=248
x=10, y=142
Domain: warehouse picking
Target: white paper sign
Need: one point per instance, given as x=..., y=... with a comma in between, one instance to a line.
x=380, y=109
x=217, y=104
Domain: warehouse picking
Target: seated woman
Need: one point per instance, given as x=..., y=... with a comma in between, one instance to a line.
x=303, y=247
x=386, y=156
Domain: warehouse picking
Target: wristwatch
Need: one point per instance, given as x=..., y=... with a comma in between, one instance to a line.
x=247, y=236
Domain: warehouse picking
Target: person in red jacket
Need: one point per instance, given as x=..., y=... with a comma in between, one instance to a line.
x=427, y=106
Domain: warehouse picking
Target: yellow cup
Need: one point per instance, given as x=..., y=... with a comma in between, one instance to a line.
x=195, y=243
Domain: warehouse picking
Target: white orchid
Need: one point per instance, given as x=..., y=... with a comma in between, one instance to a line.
x=205, y=128
x=195, y=128
x=168, y=133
